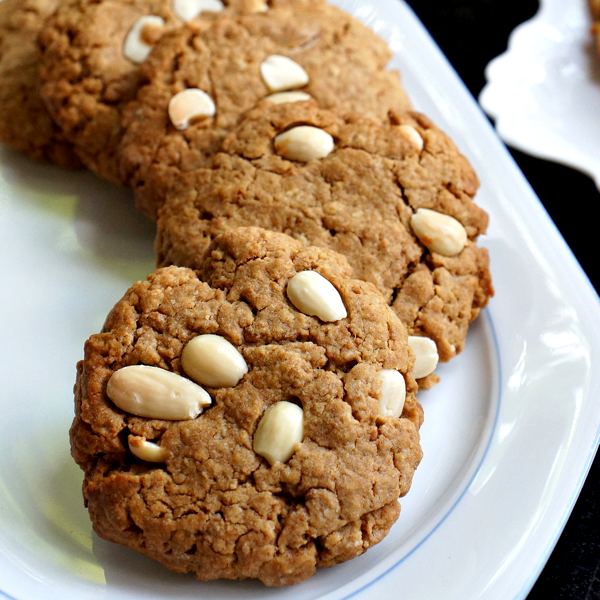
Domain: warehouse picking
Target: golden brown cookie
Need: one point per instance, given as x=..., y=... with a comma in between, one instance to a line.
x=359, y=200
x=25, y=124
x=211, y=504
x=595, y=10
x=341, y=60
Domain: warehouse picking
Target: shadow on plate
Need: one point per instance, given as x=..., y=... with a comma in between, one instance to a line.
x=100, y=215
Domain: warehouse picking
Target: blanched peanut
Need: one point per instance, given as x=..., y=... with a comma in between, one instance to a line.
x=393, y=393
x=304, y=143
x=426, y=355
x=135, y=47
x=256, y=6
x=412, y=135
x=145, y=450
x=279, y=430
x=187, y=10
x=154, y=393
x=188, y=106
x=282, y=73
x=211, y=360
x=439, y=232
x=313, y=295
x=288, y=97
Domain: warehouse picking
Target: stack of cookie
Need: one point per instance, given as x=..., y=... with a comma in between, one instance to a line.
x=249, y=410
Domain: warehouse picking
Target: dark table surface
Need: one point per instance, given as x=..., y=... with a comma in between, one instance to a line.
x=471, y=33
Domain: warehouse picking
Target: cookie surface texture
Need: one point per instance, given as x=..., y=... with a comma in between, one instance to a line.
x=343, y=60
x=87, y=75
x=25, y=124
x=216, y=508
x=358, y=201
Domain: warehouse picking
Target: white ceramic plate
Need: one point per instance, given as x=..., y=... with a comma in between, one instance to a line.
x=509, y=434
x=544, y=91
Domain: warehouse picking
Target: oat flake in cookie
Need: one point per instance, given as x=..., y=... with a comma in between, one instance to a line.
x=293, y=50
x=364, y=199
x=224, y=494
x=25, y=124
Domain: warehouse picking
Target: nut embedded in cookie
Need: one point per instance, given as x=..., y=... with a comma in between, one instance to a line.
x=145, y=450
x=279, y=431
x=312, y=294
x=393, y=393
x=284, y=97
x=188, y=106
x=138, y=42
x=304, y=143
x=214, y=361
x=439, y=232
x=426, y=355
x=156, y=393
x=281, y=73
x=187, y=10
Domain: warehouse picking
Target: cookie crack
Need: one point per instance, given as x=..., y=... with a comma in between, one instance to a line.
x=403, y=195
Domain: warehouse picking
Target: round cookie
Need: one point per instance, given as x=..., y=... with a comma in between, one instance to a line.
x=25, y=124
x=343, y=60
x=359, y=201
x=214, y=506
x=87, y=76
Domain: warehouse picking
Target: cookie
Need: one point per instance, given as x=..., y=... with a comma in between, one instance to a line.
x=25, y=124
x=323, y=52
x=359, y=200
x=208, y=494
x=90, y=55
x=595, y=10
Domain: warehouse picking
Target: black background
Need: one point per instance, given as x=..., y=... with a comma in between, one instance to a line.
x=471, y=33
